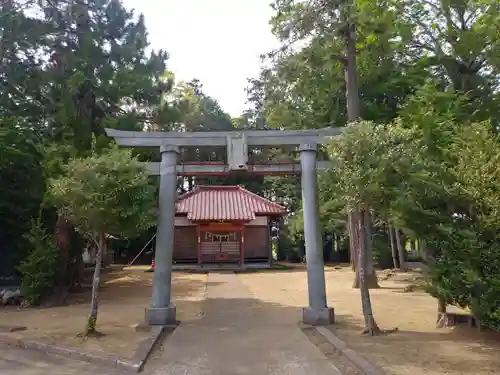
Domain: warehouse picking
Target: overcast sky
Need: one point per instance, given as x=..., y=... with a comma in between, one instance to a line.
x=216, y=41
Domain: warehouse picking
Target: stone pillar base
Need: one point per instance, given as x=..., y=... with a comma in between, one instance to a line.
x=161, y=316
x=318, y=317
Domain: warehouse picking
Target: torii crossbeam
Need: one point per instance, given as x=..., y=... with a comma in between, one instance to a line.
x=162, y=311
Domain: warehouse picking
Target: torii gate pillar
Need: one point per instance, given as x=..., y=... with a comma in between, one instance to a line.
x=317, y=313
x=163, y=311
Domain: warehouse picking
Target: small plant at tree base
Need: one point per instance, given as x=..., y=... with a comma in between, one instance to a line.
x=38, y=270
x=108, y=193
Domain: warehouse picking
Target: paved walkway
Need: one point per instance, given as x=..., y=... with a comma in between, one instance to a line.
x=14, y=361
x=240, y=335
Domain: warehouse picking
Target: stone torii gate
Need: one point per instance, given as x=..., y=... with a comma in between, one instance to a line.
x=162, y=310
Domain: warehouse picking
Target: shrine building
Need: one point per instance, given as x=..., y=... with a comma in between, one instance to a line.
x=223, y=225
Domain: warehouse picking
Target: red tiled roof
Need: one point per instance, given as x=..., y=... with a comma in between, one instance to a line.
x=225, y=203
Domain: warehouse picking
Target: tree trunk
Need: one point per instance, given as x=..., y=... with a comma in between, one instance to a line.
x=401, y=250
x=441, y=320
x=351, y=76
x=422, y=250
x=441, y=306
x=353, y=114
x=371, y=326
x=370, y=274
x=63, y=242
x=338, y=242
x=106, y=255
x=353, y=240
x=352, y=99
x=79, y=272
x=393, y=247
x=366, y=236
x=90, y=328
x=412, y=246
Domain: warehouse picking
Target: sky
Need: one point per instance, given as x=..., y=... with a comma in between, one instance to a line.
x=215, y=41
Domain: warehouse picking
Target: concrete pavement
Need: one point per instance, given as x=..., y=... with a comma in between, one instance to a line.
x=240, y=335
x=15, y=361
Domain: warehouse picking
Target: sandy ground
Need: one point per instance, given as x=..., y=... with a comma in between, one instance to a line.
x=418, y=348
x=123, y=297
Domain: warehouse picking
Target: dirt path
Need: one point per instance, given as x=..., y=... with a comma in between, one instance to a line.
x=417, y=349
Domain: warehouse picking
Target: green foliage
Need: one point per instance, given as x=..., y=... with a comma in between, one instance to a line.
x=477, y=172
x=23, y=186
x=38, y=269
x=68, y=70
x=109, y=193
x=441, y=185
x=370, y=163
x=428, y=76
x=423, y=160
x=288, y=246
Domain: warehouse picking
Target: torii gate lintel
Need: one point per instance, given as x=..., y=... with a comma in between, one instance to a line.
x=162, y=311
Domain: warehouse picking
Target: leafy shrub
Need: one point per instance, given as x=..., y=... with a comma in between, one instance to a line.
x=466, y=271
x=38, y=270
x=289, y=247
x=23, y=188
